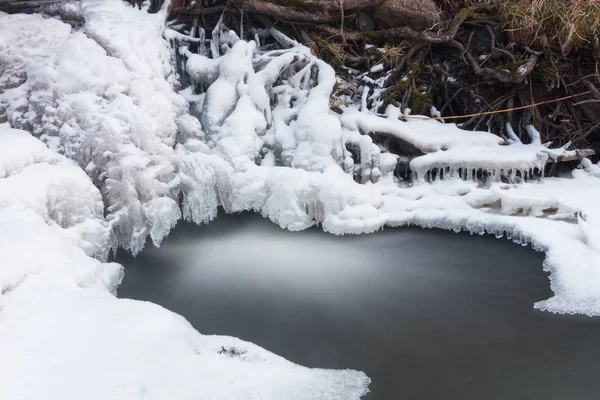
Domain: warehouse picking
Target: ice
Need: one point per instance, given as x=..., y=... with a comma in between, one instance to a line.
x=103, y=101
x=202, y=69
x=511, y=162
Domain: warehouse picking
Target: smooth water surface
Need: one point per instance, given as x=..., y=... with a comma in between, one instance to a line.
x=426, y=314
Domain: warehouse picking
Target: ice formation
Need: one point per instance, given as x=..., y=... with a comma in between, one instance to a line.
x=121, y=156
x=64, y=334
x=103, y=102
x=270, y=143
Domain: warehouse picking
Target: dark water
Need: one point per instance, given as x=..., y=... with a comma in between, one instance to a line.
x=426, y=314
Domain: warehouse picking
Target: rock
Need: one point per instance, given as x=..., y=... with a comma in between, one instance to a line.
x=416, y=14
x=364, y=22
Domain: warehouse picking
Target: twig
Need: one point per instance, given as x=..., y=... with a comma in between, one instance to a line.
x=500, y=111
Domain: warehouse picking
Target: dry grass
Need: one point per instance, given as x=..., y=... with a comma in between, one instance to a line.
x=452, y=7
x=329, y=51
x=556, y=25
x=393, y=54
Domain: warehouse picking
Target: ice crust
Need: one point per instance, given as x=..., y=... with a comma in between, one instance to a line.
x=122, y=157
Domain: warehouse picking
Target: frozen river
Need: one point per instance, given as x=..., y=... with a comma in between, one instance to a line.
x=426, y=314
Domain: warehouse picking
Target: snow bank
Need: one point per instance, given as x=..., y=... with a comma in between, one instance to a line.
x=36, y=178
x=63, y=334
x=546, y=215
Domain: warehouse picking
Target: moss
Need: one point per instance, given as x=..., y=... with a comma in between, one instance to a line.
x=373, y=37
x=510, y=69
x=547, y=72
x=477, y=11
x=297, y=5
x=395, y=92
x=414, y=66
x=420, y=102
x=392, y=102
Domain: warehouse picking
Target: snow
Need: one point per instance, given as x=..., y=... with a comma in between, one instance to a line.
x=63, y=334
x=107, y=104
x=427, y=136
x=39, y=179
x=94, y=345
x=117, y=155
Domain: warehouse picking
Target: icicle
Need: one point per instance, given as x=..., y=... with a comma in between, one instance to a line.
x=257, y=40
x=202, y=42
x=534, y=134
x=216, y=38
x=542, y=172
x=512, y=136
x=241, y=24
x=364, y=98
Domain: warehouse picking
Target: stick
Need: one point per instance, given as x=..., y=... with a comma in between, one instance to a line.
x=497, y=111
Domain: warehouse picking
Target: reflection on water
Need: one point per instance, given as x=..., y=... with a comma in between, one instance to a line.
x=426, y=314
